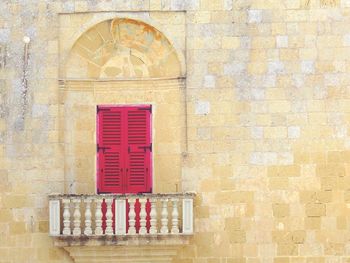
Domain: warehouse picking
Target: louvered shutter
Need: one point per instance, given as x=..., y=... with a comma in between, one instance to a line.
x=110, y=150
x=138, y=159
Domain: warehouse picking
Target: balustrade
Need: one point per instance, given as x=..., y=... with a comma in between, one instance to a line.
x=141, y=218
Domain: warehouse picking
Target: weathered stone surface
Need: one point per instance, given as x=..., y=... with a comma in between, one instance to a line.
x=265, y=142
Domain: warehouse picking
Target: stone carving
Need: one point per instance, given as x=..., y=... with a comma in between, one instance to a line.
x=125, y=48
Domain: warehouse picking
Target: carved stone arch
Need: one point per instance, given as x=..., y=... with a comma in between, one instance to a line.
x=121, y=48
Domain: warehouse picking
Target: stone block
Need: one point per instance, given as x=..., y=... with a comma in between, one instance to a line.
x=284, y=171
x=202, y=107
x=15, y=201
x=330, y=170
x=233, y=223
x=298, y=236
x=4, y=35
x=231, y=42
x=280, y=210
x=313, y=223
x=282, y=41
x=315, y=210
x=257, y=132
x=257, y=68
x=17, y=228
x=289, y=54
x=209, y=81
x=255, y=16
x=263, y=42
x=293, y=132
x=275, y=67
x=238, y=236
x=275, y=132
x=281, y=260
x=278, y=183
x=308, y=67
x=287, y=249
x=263, y=158
x=6, y=215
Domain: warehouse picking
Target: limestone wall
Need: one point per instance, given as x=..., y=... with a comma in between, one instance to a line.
x=265, y=142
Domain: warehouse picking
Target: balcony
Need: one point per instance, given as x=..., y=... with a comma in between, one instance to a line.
x=121, y=226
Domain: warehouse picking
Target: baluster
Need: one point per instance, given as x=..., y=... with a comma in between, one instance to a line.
x=143, y=214
x=174, y=218
x=153, y=217
x=87, y=230
x=109, y=217
x=66, y=217
x=132, y=215
x=98, y=217
x=77, y=216
x=164, y=229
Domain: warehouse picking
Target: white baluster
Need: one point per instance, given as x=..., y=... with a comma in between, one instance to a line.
x=132, y=215
x=153, y=217
x=164, y=229
x=66, y=217
x=87, y=230
x=77, y=216
x=98, y=217
x=175, y=218
x=143, y=214
x=109, y=217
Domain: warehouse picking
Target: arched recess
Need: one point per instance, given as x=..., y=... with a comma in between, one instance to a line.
x=122, y=48
x=116, y=62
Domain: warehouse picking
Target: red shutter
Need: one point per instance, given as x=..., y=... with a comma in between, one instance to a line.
x=124, y=149
x=138, y=161
x=110, y=150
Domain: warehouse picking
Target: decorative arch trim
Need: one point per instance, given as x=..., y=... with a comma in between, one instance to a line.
x=123, y=48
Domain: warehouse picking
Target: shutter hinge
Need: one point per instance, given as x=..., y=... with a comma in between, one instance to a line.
x=98, y=148
x=147, y=108
x=98, y=109
x=149, y=147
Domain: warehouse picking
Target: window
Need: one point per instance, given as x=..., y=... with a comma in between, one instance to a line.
x=124, y=149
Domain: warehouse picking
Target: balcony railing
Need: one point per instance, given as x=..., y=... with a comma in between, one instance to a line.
x=112, y=215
